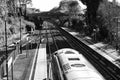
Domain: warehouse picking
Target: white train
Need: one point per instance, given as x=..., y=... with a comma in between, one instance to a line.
x=74, y=66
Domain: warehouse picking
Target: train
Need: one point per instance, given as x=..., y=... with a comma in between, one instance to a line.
x=74, y=66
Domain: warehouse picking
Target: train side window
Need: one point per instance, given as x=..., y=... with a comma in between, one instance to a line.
x=78, y=65
x=73, y=59
x=69, y=52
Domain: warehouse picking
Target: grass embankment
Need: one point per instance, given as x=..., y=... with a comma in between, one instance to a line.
x=13, y=28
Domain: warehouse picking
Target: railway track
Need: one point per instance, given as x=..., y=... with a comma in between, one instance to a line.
x=62, y=39
x=105, y=67
x=55, y=41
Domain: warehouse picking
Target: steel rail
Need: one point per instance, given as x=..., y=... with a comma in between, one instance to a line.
x=57, y=41
x=56, y=46
x=105, y=67
x=59, y=38
x=101, y=64
x=49, y=55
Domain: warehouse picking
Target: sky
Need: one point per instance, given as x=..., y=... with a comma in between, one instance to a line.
x=46, y=5
x=116, y=0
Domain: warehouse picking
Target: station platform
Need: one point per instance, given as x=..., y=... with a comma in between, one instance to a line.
x=20, y=65
x=32, y=63
x=41, y=64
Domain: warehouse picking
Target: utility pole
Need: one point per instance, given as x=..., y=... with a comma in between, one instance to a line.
x=118, y=22
x=20, y=27
x=6, y=48
x=5, y=17
x=117, y=27
x=25, y=10
x=117, y=32
x=117, y=35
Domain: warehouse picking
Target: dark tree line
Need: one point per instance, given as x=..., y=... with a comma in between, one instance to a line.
x=92, y=7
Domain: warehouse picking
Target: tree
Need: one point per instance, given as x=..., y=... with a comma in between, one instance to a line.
x=71, y=8
x=92, y=7
x=108, y=12
x=74, y=8
x=26, y=1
